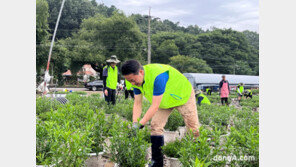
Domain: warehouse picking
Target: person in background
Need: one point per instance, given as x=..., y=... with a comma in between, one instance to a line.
x=201, y=98
x=166, y=89
x=111, y=78
x=207, y=90
x=224, y=90
x=248, y=93
x=101, y=76
x=240, y=91
x=85, y=80
x=128, y=89
x=210, y=91
x=98, y=68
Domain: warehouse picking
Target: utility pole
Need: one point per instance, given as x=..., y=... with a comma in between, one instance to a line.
x=51, y=46
x=149, y=42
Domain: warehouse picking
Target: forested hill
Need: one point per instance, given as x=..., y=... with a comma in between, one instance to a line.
x=90, y=32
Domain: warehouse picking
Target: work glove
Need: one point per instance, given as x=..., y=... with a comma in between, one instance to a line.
x=137, y=125
x=135, y=128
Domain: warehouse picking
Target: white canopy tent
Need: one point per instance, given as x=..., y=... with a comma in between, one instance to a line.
x=201, y=80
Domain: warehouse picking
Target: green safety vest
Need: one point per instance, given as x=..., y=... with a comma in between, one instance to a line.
x=128, y=85
x=250, y=91
x=205, y=100
x=207, y=90
x=178, y=88
x=112, y=78
x=240, y=89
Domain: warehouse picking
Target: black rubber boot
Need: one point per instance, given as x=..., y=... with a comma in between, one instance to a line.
x=157, y=156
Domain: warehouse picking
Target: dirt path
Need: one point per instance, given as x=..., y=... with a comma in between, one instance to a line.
x=93, y=92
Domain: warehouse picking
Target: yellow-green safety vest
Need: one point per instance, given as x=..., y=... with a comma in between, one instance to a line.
x=178, y=88
x=250, y=91
x=128, y=85
x=205, y=100
x=240, y=89
x=112, y=78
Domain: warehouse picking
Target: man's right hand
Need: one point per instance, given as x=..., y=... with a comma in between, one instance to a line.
x=106, y=92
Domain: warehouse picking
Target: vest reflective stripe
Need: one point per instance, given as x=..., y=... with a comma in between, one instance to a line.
x=128, y=85
x=205, y=100
x=178, y=88
x=111, y=81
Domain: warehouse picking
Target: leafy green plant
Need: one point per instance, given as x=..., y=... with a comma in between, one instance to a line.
x=199, y=163
x=252, y=103
x=171, y=149
x=70, y=148
x=128, y=146
x=195, y=147
x=42, y=143
x=214, y=98
x=125, y=108
x=99, y=132
x=67, y=135
x=216, y=116
x=174, y=121
x=247, y=144
x=244, y=119
x=44, y=104
x=255, y=91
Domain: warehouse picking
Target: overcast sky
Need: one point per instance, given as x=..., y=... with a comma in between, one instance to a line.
x=236, y=14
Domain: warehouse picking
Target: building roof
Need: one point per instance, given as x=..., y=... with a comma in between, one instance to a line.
x=67, y=73
x=85, y=72
x=86, y=69
x=203, y=78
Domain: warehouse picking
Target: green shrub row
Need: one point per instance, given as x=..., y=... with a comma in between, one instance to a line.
x=251, y=103
x=204, y=150
x=66, y=134
x=44, y=104
x=62, y=92
x=75, y=128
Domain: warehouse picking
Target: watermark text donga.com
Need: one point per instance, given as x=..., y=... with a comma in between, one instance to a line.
x=230, y=158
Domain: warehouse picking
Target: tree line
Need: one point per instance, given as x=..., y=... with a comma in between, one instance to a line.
x=89, y=32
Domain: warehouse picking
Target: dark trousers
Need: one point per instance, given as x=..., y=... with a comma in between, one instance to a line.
x=111, y=96
x=248, y=95
x=224, y=99
x=131, y=92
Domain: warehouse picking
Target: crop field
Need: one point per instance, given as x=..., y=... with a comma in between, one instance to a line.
x=66, y=135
